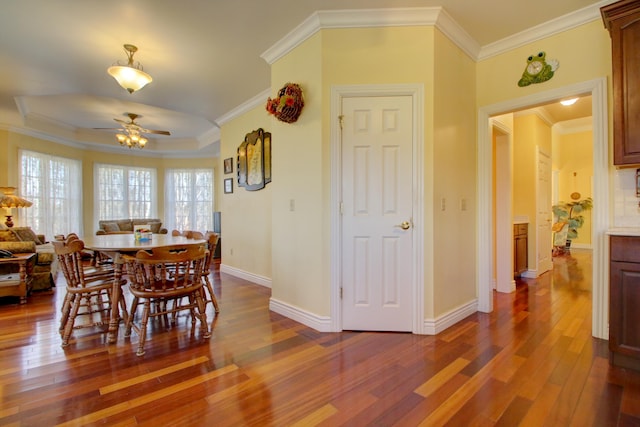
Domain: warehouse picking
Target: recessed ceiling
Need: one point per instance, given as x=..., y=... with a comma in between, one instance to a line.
x=204, y=57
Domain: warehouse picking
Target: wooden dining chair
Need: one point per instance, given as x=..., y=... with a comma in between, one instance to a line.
x=212, y=243
x=186, y=233
x=161, y=280
x=88, y=292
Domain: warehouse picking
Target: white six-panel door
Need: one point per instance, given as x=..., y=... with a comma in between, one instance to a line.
x=376, y=213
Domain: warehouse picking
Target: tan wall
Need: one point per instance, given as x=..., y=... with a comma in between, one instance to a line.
x=575, y=155
x=15, y=142
x=246, y=215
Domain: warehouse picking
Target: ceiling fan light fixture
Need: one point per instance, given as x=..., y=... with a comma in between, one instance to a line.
x=130, y=76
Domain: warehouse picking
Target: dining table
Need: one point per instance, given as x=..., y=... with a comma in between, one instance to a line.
x=116, y=245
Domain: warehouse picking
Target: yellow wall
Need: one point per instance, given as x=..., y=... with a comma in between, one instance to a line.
x=15, y=141
x=454, y=175
x=300, y=167
x=302, y=152
x=246, y=215
x=530, y=134
x=388, y=56
x=497, y=77
x=574, y=154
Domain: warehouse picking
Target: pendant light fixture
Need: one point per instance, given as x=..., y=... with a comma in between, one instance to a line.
x=130, y=76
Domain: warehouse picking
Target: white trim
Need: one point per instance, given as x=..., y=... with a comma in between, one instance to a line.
x=502, y=277
x=416, y=91
x=439, y=324
x=250, y=277
x=319, y=323
x=248, y=105
x=366, y=18
x=425, y=16
x=546, y=29
x=600, y=211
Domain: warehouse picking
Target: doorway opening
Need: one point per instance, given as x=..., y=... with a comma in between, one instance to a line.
x=486, y=227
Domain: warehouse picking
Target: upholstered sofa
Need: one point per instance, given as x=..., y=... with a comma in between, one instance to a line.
x=24, y=240
x=125, y=226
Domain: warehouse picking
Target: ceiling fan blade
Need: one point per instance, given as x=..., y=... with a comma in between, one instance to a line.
x=107, y=128
x=158, y=132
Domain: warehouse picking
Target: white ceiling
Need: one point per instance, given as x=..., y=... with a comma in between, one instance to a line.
x=204, y=56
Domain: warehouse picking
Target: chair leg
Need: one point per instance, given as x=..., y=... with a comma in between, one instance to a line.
x=130, y=316
x=212, y=294
x=202, y=315
x=143, y=327
x=72, y=318
x=124, y=314
x=66, y=307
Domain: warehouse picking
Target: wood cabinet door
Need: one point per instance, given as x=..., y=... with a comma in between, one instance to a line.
x=623, y=21
x=624, y=315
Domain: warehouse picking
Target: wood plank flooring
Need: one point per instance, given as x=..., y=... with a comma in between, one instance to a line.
x=532, y=362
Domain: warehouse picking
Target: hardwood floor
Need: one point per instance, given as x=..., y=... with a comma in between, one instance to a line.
x=532, y=362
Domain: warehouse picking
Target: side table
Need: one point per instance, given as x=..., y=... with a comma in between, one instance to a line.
x=17, y=284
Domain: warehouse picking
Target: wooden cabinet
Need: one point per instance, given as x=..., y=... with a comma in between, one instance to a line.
x=622, y=19
x=520, y=251
x=624, y=301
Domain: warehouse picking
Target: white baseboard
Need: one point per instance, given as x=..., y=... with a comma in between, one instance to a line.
x=439, y=324
x=324, y=323
x=251, y=277
x=530, y=274
x=319, y=323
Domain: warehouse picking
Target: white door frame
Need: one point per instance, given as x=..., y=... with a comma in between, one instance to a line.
x=503, y=274
x=416, y=91
x=600, y=212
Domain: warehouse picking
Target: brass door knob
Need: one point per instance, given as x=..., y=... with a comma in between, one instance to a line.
x=405, y=225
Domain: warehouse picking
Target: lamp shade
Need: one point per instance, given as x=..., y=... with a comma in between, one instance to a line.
x=130, y=78
x=10, y=200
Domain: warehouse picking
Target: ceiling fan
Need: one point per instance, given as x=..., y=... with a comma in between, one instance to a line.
x=132, y=126
x=133, y=133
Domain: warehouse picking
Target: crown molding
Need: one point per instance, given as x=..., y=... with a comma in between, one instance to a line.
x=547, y=29
x=368, y=18
x=423, y=16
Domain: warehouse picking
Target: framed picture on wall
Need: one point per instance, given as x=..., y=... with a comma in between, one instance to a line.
x=228, y=165
x=254, y=160
x=228, y=185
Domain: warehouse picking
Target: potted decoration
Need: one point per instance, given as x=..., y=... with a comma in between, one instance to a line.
x=569, y=219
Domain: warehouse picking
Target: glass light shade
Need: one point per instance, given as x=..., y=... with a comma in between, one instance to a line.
x=130, y=78
x=568, y=102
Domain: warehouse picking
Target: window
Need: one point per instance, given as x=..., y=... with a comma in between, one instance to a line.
x=54, y=185
x=124, y=192
x=189, y=199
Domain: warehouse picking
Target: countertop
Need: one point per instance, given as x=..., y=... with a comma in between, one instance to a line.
x=624, y=231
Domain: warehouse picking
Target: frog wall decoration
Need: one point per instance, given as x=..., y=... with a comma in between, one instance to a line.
x=538, y=69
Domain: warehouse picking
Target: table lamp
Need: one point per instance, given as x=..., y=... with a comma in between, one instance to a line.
x=9, y=200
